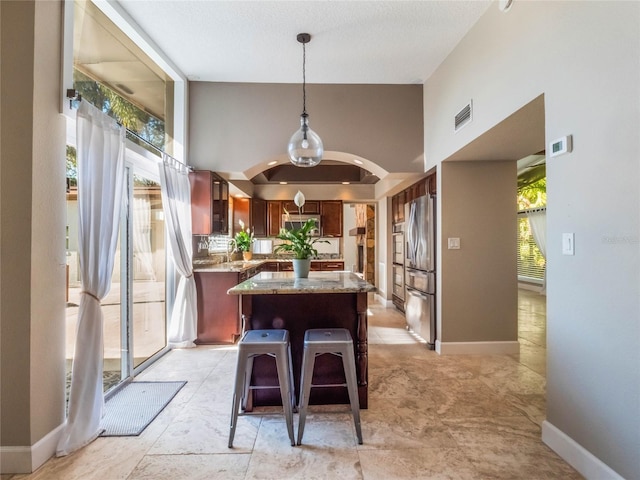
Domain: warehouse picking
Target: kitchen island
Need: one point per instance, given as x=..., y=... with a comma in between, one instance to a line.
x=219, y=320
x=273, y=300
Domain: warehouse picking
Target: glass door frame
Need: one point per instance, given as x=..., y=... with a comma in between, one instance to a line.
x=138, y=160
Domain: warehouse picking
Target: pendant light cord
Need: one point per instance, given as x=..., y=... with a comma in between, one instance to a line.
x=304, y=79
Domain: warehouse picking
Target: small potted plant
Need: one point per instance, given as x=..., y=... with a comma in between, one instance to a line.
x=242, y=241
x=300, y=242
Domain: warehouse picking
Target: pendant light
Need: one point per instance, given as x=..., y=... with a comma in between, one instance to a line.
x=305, y=146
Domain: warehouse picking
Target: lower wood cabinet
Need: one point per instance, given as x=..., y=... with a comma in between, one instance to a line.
x=332, y=266
x=326, y=266
x=285, y=266
x=269, y=267
x=219, y=319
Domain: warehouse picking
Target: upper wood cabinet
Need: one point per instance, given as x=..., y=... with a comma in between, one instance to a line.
x=259, y=217
x=274, y=217
x=331, y=222
x=209, y=203
x=311, y=206
x=432, y=188
x=241, y=212
x=397, y=207
x=426, y=186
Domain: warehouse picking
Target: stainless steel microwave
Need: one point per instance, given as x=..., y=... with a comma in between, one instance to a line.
x=294, y=220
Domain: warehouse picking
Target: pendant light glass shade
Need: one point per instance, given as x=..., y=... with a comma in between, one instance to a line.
x=305, y=146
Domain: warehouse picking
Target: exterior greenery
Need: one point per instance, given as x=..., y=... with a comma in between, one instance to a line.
x=127, y=114
x=531, y=262
x=299, y=241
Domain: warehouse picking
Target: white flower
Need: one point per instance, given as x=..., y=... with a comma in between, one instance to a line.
x=299, y=199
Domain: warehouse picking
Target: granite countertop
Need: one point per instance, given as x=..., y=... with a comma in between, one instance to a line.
x=236, y=266
x=318, y=282
x=241, y=265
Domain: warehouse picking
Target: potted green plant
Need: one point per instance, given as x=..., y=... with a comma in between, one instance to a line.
x=242, y=241
x=300, y=242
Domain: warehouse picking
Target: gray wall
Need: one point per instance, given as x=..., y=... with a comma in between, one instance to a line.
x=32, y=222
x=479, y=301
x=585, y=58
x=236, y=126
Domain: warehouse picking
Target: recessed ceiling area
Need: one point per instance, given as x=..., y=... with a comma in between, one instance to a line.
x=329, y=171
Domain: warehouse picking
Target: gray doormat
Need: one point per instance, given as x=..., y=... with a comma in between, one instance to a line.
x=129, y=411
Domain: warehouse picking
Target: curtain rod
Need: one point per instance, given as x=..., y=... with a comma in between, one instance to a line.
x=74, y=95
x=532, y=210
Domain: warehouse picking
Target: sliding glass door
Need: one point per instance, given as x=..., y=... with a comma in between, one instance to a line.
x=134, y=310
x=147, y=269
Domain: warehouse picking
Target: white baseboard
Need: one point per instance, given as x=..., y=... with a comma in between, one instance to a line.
x=477, y=348
x=590, y=466
x=383, y=301
x=26, y=459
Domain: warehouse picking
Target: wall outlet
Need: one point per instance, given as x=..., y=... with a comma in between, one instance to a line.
x=453, y=243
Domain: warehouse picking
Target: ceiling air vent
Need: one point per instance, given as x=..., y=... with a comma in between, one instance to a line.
x=464, y=116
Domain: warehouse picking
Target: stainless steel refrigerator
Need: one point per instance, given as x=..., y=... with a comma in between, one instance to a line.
x=420, y=271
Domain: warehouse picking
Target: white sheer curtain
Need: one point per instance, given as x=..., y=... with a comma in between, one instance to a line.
x=142, y=257
x=176, y=202
x=100, y=156
x=538, y=222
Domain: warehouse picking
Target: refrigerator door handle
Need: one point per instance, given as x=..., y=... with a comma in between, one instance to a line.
x=418, y=293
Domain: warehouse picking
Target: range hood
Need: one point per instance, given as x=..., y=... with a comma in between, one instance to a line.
x=357, y=231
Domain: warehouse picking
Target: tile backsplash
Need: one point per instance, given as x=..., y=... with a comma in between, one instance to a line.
x=217, y=246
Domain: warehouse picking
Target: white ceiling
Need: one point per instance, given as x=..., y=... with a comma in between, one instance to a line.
x=385, y=42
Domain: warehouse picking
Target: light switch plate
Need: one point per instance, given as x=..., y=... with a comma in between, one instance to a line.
x=568, y=244
x=453, y=243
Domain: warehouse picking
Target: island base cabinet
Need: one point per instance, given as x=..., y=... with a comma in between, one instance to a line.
x=218, y=313
x=297, y=313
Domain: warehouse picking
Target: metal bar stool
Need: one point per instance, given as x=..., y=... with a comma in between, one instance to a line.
x=274, y=343
x=336, y=341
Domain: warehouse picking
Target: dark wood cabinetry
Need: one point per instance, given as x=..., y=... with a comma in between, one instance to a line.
x=253, y=213
x=259, y=217
x=266, y=215
x=397, y=207
x=241, y=213
x=209, y=203
x=270, y=267
x=285, y=266
x=309, y=207
x=274, y=217
x=328, y=266
x=331, y=222
x=426, y=186
x=218, y=313
x=219, y=318
x=432, y=184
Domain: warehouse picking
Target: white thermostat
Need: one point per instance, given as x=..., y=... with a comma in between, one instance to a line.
x=560, y=146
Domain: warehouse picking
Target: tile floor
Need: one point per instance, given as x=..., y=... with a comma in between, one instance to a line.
x=429, y=417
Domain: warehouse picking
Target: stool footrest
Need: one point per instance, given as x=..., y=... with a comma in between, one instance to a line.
x=313, y=385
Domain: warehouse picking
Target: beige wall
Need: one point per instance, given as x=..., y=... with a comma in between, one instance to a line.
x=32, y=224
x=236, y=126
x=585, y=58
x=479, y=301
